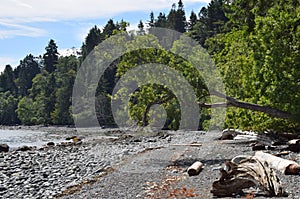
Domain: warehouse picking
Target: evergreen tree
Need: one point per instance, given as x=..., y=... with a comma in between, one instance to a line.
x=25, y=72
x=7, y=79
x=180, y=18
x=176, y=18
x=141, y=28
x=151, y=21
x=161, y=21
x=51, y=56
x=8, y=106
x=122, y=25
x=192, y=22
x=109, y=28
x=211, y=21
x=172, y=17
x=65, y=76
x=93, y=38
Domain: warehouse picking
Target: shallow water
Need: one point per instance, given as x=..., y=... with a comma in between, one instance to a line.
x=17, y=138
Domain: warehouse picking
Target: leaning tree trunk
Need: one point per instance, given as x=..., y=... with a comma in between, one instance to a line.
x=273, y=112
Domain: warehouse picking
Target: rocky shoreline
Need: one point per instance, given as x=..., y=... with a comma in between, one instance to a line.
x=113, y=163
x=49, y=171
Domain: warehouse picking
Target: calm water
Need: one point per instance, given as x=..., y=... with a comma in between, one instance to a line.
x=17, y=138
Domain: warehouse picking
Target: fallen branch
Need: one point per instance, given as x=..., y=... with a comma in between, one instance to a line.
x=287, y=167
x=273, y=112
x=195, y=144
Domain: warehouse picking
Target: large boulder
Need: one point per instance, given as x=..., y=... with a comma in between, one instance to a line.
x=4, y=148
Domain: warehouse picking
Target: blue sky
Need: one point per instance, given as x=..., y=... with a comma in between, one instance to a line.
x=26, y=26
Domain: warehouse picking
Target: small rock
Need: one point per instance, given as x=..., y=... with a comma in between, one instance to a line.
x=258, y=147
x=50, y=144
x=24, y=148
x=71, y=137
x=4, y=148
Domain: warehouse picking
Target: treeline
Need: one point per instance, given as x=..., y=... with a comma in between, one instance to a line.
x=255, y=45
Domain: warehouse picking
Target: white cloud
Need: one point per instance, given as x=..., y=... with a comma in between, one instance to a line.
x=20, y=30
x=16, y=14
x=37, y=10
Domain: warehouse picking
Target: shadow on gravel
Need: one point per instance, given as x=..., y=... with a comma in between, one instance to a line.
x=189, y=161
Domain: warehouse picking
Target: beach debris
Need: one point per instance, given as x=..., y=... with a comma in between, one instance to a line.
x=241, y=174
x=4, y=148
x=282, y=153
x=294, y=145
x=75, y=139
x=191, y=144
x=259, y=147
x=285, y=166
x=168, y=188
x=236, y=134
x=71, y=137
x=195, y=168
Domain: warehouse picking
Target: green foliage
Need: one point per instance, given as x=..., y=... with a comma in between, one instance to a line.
x=211, y=22
x=25, y=72
x=175, y=19
x=7, y=80
x=254, y=43
x=64, y=78
x=8, y=105
x=93, y=38
x=152, y=94
x=259, y=60
x=27, y=112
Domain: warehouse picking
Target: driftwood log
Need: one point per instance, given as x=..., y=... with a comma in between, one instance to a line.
x=287, y=167
x=250, y=172
x=195, y=168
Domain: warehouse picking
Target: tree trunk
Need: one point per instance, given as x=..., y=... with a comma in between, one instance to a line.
x=273, y=112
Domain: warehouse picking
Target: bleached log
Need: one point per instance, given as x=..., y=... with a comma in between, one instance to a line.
x=195, y=168
x=246, y=137
x=237, y=134
x=287, y=167
x=250, y=172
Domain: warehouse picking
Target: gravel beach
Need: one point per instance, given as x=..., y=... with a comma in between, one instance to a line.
x=113, y=163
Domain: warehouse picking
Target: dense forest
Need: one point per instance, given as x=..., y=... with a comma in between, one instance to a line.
x=254, y=43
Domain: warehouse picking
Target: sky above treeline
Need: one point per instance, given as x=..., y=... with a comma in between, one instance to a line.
x=26, y=26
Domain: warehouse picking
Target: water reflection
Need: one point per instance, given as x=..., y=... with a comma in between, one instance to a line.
x=17, y=138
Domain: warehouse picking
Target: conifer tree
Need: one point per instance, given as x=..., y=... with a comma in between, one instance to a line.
x=51, y=56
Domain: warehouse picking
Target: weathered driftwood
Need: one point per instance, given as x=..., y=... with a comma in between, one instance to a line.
x=191, y=144
x=236, y=134
x=288, y=167
x=195, y=168
x=250, y=172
